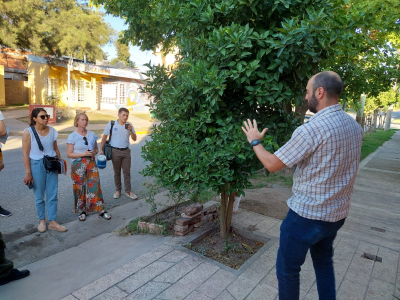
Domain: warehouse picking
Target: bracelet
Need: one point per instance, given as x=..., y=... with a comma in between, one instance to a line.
x=254, y=143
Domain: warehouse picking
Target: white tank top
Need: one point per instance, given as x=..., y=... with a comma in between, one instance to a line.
x=47, y=142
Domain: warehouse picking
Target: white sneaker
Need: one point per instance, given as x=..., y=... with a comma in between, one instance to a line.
x=117, y=195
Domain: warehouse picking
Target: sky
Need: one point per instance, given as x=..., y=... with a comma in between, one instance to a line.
x=137, y=56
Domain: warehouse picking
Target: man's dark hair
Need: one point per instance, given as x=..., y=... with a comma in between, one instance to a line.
x=123, y=109
x=330, y=82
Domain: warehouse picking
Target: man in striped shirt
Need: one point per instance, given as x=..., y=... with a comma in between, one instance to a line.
x=327, y=152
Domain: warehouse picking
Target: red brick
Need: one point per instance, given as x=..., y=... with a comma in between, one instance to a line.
x=184, y=232
x=181, y=228
x=183, y=221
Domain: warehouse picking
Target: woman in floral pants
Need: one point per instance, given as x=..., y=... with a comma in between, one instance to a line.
x=82, y=149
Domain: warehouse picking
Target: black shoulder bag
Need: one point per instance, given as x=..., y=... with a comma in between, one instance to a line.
x=107, y=147
x=50, y=163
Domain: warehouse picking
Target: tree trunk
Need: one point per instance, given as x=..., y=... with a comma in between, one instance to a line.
x=302, y=111
x=223, y=210
x=288, y=108
x=230, y=211
x=374, y=120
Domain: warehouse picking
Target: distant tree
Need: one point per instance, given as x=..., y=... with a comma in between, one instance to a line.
x=54, y=27
x=123, y=54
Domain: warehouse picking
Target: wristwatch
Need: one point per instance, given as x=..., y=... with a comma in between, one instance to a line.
x=254, y=143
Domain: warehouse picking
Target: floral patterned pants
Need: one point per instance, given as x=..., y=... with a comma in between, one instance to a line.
x=87, y=191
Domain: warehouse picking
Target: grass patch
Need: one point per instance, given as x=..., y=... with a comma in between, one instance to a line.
x=14, y=106
x=372, y=141
x=260, y=179
x=144, y=116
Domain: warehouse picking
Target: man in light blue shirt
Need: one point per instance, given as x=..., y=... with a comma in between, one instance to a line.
x=121, y=154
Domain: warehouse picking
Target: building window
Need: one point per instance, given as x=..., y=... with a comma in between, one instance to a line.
x=51, y=88
x=78, y=90
x=112, y=93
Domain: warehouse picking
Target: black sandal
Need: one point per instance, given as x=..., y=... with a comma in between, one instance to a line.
x=105, y=215
x=82, y=216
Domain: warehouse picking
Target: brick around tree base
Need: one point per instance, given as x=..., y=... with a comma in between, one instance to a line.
x=184, y=232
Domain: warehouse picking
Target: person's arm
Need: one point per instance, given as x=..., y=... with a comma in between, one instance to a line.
x=26, y=148
x=103, y=142
x=269, y=160
x=56, y=149
x=1, y=165
x=72, y=154
x=132, y=133
x=3, y=129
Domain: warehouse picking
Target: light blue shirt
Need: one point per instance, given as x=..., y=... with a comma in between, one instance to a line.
x=79, y=143
x=120, y=135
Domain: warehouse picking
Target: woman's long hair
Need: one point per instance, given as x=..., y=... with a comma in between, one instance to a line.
x=35, y=113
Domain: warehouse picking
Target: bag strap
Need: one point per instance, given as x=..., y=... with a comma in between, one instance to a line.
x=37, y=138
x=112, y=125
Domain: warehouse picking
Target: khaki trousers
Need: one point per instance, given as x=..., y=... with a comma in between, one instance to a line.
x=121, y=159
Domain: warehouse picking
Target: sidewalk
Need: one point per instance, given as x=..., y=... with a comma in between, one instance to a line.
x=17, y=127
x=156, y=267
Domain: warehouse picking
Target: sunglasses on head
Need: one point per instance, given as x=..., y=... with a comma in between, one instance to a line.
x=85, y=139
x=44, y=117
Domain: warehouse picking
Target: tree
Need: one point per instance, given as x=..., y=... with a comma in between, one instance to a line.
x=238, y=60
x=123, y=54
x=56, y=27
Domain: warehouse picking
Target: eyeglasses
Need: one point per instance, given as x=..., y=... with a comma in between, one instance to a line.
x=85, y=139
x=44, y=117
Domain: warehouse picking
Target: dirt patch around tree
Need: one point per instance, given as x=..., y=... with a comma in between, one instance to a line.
x=268, y=201
x=240, y=248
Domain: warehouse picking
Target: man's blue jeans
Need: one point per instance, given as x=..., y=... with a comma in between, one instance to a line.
x=298, y=235
x=45, y=182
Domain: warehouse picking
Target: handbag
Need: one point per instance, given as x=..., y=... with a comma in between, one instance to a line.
x=107, y=147
x=51, y=163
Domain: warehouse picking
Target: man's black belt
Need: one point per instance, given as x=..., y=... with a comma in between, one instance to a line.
x=120, y=148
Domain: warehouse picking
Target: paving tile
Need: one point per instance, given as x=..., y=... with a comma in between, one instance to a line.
x=176, y=240
x=197, y=296
x=111, y=294
x=69, y=297
x=273, y=250
x=345, y=249
x=387, y=270
x=266, y=224
x=397, y=289
x=141, y=277
x=271, y=279
x=336, y=242
x=217, y=283
x=148, y=291
x=248, y=280
x=174, y=256
x=147, y=258
x=340, y=267
x=263, y=291
x=225, y=295
x=251, y=219
x=189, y=282
x=175, y=273
x=351, y=290
x=312, y=293
x=103, y=283
x=360, y=269
x=275, y=230
x=379, y=289
x=307, y=279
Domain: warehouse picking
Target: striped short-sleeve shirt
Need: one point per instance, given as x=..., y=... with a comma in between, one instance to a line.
x=327, y=152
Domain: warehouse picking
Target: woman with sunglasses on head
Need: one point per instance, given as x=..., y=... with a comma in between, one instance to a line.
x=82, y=149
x=42, y=180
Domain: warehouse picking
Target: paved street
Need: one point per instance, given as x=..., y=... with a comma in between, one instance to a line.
x=17, y=198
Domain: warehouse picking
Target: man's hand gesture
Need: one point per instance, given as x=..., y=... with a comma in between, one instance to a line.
x=252, y=132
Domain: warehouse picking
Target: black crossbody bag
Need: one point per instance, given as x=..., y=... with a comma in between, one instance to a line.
x=50, y=163
x=107, y=147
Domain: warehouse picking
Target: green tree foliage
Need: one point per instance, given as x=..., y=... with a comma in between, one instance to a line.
x=123, y=54
x=238, y=59
x=56, y=27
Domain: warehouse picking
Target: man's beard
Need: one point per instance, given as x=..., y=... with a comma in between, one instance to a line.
x=312, y=104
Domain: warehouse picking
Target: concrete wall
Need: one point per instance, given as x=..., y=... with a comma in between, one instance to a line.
x=16, y=92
